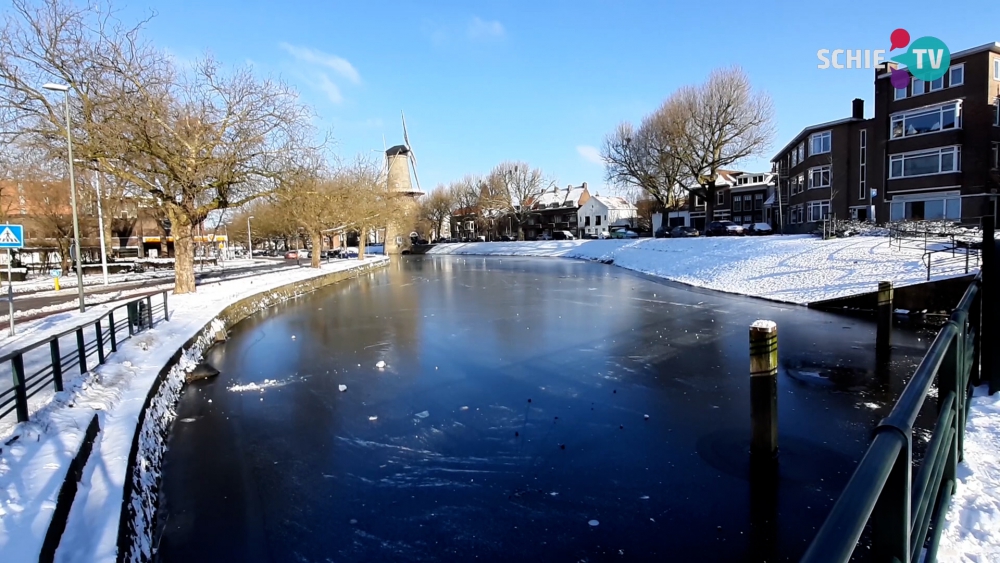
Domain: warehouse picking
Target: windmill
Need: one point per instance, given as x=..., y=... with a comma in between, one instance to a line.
x=399, y=161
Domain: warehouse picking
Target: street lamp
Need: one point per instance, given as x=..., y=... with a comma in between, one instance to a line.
x=249, y=238
x=72, y=193
x=100, y=226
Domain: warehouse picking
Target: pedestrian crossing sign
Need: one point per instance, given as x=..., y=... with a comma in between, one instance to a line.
x=11, y=236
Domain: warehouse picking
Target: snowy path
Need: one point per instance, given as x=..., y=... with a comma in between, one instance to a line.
x=972, y=534
x=34, y=456
x=795, y=269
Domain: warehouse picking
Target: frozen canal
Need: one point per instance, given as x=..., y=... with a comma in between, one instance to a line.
x=508, y=423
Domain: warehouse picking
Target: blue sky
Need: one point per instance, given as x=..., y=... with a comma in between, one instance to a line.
x=541, y=82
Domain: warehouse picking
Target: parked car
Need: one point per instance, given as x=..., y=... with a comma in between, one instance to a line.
x=724, y=228
x=662, y=232
x=291, y=255
x=350, y=252
x=506, y=238
x=562, y=235
x=683, y=232
x=759, y=229
x=624, y=233
x=603, y=234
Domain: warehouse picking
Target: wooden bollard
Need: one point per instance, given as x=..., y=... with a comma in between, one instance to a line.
x=883, y=336
x=764, y=389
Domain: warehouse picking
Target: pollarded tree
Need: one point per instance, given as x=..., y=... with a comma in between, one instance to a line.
x=368, y=202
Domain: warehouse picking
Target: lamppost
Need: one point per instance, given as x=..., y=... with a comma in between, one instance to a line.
x=249, y=238
x=72, y=193
x=100, y=226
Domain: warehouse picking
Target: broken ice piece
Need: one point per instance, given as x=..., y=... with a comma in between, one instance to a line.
x=380, y=364
x=293, y=337
x=593, y=522
x=464, y=408
x=645, y=417
x=373, y=418
x=644, y=497
x=342, y=388
x=424, y=414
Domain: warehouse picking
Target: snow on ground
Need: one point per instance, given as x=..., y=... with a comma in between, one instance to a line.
x=972, y=532
x=796, y=269
x=34, y=456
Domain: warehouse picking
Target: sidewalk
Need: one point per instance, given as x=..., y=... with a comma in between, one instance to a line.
x=34, y=456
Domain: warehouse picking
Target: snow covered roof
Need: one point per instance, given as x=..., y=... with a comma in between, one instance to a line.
x=566, y=197
x=614, y=202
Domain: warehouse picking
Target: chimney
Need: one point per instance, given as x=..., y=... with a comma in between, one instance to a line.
x=585, y=185
x=858, y=107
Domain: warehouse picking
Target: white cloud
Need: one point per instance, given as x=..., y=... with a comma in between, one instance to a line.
x=590, y=154
x=485, y=29
x=341, y=66
x=328, y=87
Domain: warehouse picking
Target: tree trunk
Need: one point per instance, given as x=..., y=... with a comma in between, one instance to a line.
x=362, y=239
x=520, y=231
x=709, y=205
x=64, y=257
x=317, y=249
x=180, y=228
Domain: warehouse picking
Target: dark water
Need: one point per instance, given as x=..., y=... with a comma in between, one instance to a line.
x=510, y=415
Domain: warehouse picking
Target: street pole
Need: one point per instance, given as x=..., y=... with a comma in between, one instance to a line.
x=249, y=238
x=10, y=289
x=100, y=225
x=72, y=193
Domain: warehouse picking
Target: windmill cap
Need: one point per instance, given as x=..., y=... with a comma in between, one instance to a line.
x=396, y=150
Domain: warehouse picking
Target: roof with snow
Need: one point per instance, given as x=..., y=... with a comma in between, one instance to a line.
x=614, y=202
x=566, y=197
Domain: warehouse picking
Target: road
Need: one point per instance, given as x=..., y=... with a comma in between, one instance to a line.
x=508, y=423
x=69, y=295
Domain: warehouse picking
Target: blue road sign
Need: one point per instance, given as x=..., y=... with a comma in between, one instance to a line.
x=11, y=236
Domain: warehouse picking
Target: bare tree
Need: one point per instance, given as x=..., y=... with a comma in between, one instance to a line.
x=369, y=202
x=647, y=157
x=726, y=121
x=437, y=207
x=194, y=142
x=511, y=188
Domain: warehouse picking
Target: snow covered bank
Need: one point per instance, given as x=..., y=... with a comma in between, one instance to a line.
x=796, y=269
x=972, y=533
x=35, y=456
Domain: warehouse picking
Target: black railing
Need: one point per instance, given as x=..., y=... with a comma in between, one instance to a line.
x=48, y=363
x=907, y=514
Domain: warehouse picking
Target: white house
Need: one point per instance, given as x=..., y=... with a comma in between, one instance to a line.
x=600, y=212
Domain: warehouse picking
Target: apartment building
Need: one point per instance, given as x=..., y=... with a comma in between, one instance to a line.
x=937, y=141
x=927, y=153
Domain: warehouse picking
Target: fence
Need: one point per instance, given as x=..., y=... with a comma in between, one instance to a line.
x=906, y=514
x=47, y=364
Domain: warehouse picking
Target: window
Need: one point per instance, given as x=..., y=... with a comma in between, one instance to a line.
x=802, y=151
x=798, y=184
x=935, y=85
x=918, y=86
x=996, y=113
x=795, y=157
x=922, y=163
x=737, y=204
x=926, y=120
x=863, y=160
x=819, y=177
x=698, y=201
x=996, y=156
x=720, y=198
x=597, y=221
x=796, y=214
x=818, y=210
x=819, y=143
x=900, y=93
x=758, y=199
x=996, y=69
x=956, y=75
x=947, y=206
x=586, y=221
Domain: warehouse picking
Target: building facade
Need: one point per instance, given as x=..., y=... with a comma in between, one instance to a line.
x=555, y=210
x=929, y=152
x=599, y=213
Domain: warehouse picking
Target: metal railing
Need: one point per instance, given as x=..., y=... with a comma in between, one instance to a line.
x=907, y=514
x=47, y=363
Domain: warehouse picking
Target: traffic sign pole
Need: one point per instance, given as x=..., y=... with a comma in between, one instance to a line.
x=10, y=288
